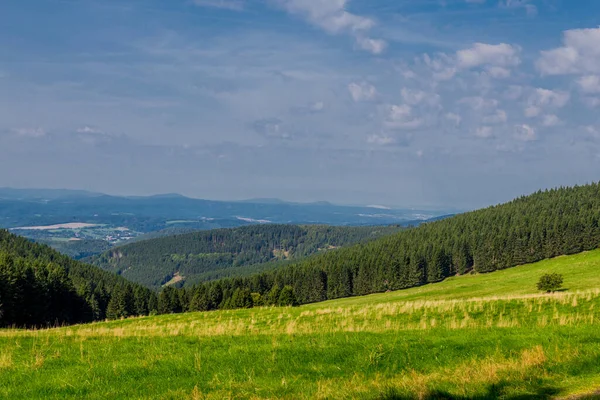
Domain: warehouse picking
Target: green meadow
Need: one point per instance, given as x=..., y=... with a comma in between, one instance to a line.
x=476, y=336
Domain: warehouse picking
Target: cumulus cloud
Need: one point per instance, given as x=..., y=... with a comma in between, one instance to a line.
x=514, y=92
x=375, y=46
x=479, y=103
x=500, y=55
x=499, y=117
x=530, y=9
x=548, y=98
x=541, y=99
x=362, y=91
x=525, y=133
x=495, y=60
x=580, y=54
x=332, y=17
x=88, y=129
x=532, y=111
x=591, y=102
x=484, y=132
x=401, y=117
x=498, y=72
x=455, y=118
x=235, y=5
x=30, y=132
x=589, y=83
x=415, y=97
x=271, y=128
x=380, y=140
x=550, y=120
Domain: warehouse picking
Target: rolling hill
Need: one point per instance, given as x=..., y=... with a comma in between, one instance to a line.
x=543, y=225
x=207, y=255
x=41, y=287
x=477, y=336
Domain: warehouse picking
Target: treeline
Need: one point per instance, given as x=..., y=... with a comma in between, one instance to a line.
x=544, y=225
x=209, y=255
x=41, y=287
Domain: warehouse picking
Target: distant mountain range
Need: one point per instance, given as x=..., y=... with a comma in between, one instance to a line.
x=81, y=223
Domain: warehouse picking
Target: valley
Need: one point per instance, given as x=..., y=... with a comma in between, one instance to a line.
x=98, y=222
x=449, y=309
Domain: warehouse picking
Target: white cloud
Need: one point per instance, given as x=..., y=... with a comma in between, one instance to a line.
x=362, y=91
x=499, y=117
x=589, y=83
x=236, y=5
x=591, y=102
x=532, y=111
x=88, y=129
x=549, y=98
x=30, y=132
x=529, y=8
x=514, y=92
x=494, y=60
x=484, y=132
x=479, y=103
x=550, y=120
x=525, y=133
x=317, y=106
x=592, y=130
x=415, y=97
x=401, y=117
x=580, y=54
x=380, y=140
x=332, y=17
x=375, y=46
x=500, y=55
x=498, y=72
x=454, y=118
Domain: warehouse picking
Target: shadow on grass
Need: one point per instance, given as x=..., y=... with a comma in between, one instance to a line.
x=492, y=392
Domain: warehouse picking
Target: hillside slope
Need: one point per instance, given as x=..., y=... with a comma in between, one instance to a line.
x=532, y=228
x=198, y=256
x=505, y=340
x=39, y=286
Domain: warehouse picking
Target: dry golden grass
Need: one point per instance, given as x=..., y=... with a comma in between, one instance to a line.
x=6, y=360
x=562, y=309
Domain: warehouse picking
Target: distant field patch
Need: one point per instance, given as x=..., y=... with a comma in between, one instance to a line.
x=71, y=225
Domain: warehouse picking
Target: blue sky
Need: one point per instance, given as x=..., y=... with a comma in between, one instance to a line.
x=460, y=103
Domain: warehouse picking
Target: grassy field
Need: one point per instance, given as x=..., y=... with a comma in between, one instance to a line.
x=477, y=336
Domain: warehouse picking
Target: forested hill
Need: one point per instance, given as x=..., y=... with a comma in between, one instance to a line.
x=206, y=255
x=543, y=225
x=41, y=287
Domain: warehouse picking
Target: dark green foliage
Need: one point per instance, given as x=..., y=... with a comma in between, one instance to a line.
x=169, y=301
x=550, y=282
x=272, y=297
x=529, y=229
x=241, y=298
x=40, y=287
x=121, y=304
x=287, y=297
x=221, y=253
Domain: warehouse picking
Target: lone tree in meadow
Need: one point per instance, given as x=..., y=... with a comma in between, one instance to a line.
x=550, y=282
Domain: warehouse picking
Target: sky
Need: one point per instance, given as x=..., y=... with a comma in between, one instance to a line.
x=429, y=103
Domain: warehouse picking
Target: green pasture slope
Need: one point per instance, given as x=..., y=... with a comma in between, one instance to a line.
x=470, y=337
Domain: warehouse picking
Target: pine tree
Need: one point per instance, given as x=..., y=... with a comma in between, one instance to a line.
x=287, y=297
